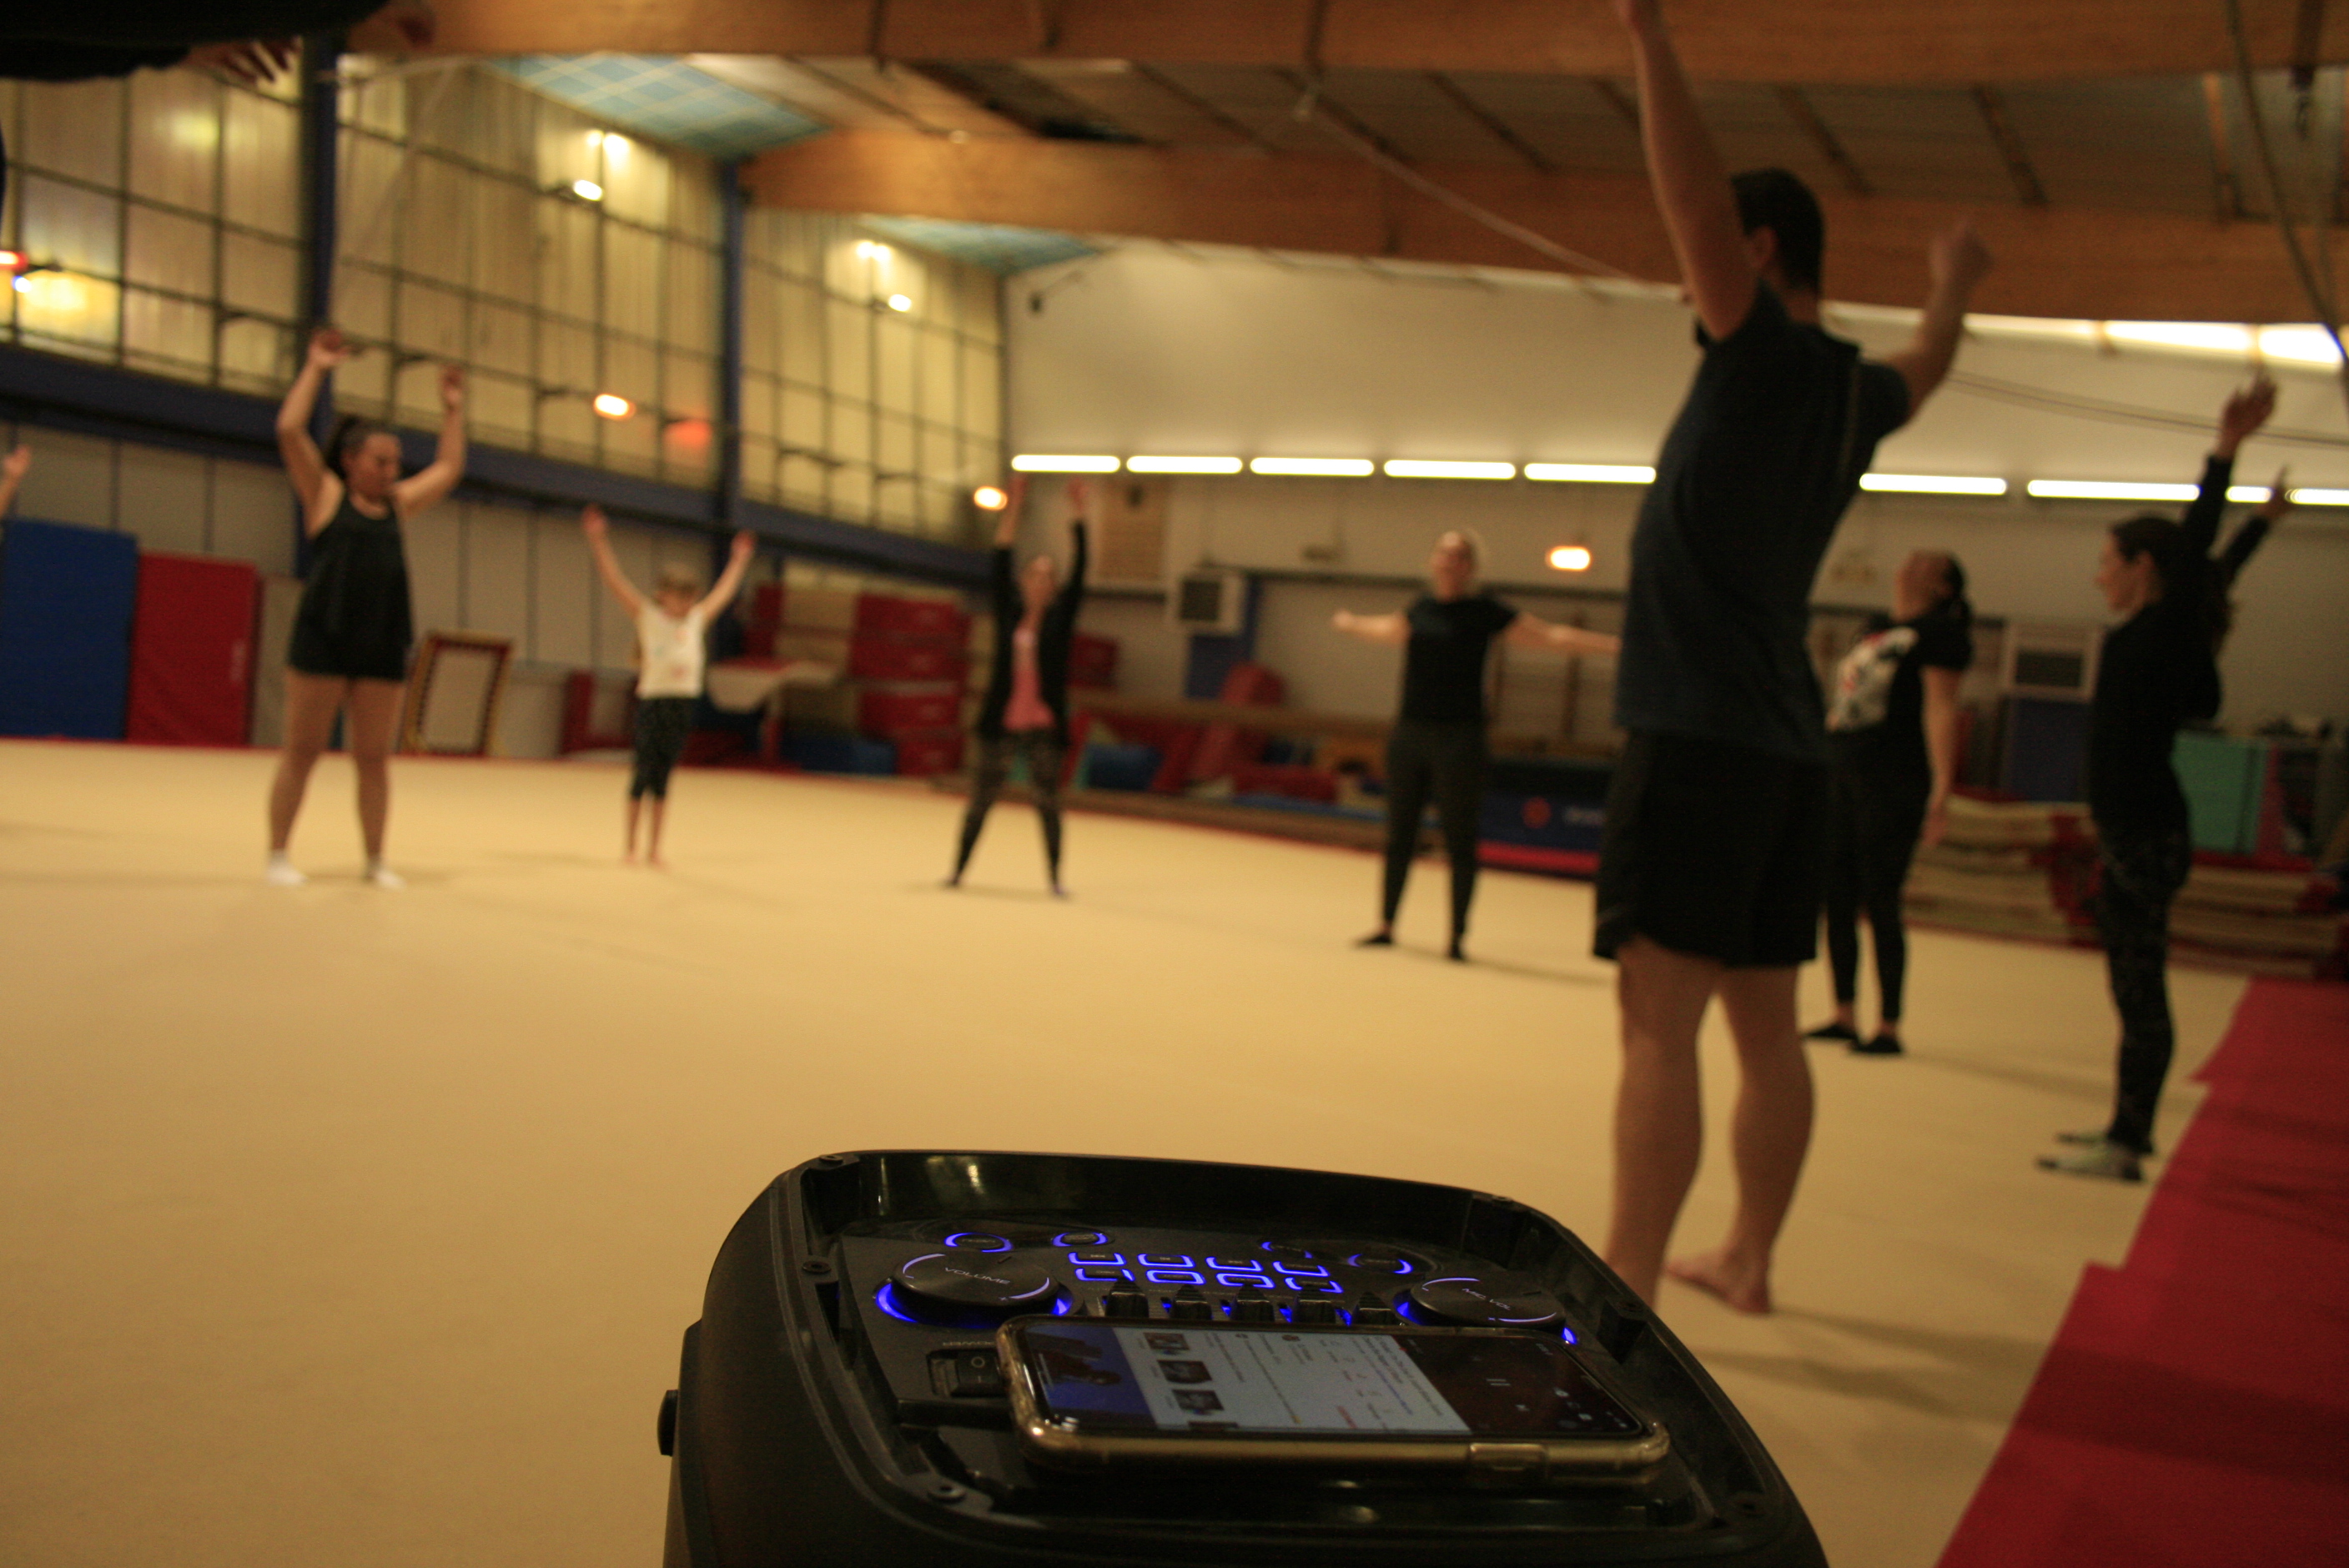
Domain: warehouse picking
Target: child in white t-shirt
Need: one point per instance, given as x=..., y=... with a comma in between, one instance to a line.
x=671, y=632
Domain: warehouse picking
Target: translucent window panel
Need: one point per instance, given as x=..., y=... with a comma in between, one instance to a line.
x=163, y=250
x=262, y=164
x=72, y=128
x=943, y=514
x=567, y=360
x=77, y=229
x=632, y=280
x=569, y=147
x=369, y=213
x=432, y=321
x=567, y=428
x=441, y=110
x=806, y=423
x=498, y=410
x=568, y=265
x=982, y=313
x=379, y=105
x=258, y=357
x=805, y=483
x=799, y=309
x=982, y=460
x=69, y=311
x=689, y=453
x=939, y=458
x=760, y=477
x=633, y=370
x=851, y=491
x=416, y=388
x=435, y=238
x=760, y=398
x=253, y=516
x=497, y=575
x=636, y=180
x=175, y=131
x=502, y=338
x=849, y=337
x=173, y=337
x=852, y=432
x=263, y=276
x=500, y=124
x=362, y=302
x=762, y=334
x=504, y=239
x=435, y=541
x=162, y=497
x=896, y=349
x=897, y=502
x=982, y=391
x=940, y=384
x=894, y=445
x=690, y=386
x=694, y=209
x=564, y=587
x=689, y=293
x=633, y=445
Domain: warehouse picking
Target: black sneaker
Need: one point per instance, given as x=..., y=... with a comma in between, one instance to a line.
x=1843, y=1032
x=1883, y=1045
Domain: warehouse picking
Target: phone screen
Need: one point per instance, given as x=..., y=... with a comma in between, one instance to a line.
x=1172, y=1377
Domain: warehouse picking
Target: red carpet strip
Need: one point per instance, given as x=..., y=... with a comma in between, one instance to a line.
x=2194, y=1406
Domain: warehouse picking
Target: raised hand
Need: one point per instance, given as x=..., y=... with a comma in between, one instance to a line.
x=328, y=348
x=256, y=62
x=14, y=466
x=453, y=388
x=1078, y=492
x=1640, y=15
x=2278, y=500
x=2245, y=412
x=595, y=525
x=743, y=545
x=1959, y=258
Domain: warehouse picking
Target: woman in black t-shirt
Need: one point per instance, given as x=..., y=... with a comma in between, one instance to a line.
x=1892, y=741
x=1437, y=746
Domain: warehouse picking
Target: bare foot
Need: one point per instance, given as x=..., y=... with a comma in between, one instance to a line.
x=656, y=864
x=1742, y=1285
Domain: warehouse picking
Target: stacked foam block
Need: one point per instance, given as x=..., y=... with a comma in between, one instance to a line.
x=909, y=658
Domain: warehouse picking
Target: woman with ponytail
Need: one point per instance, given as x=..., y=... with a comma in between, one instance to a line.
x=1892, y=744
x=352, y=631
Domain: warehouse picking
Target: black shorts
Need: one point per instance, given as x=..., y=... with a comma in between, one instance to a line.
x=1715, y=850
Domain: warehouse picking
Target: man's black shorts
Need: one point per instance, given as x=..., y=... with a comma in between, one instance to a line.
x=1713, y=850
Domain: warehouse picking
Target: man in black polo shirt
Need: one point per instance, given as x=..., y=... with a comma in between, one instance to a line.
x=1709, y=874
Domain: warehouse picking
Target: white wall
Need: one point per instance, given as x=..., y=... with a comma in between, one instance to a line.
x=1147, y=350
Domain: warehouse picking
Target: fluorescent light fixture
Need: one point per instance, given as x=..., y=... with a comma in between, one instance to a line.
x=1571, y=558
x=2320, y=497
x=1062, y=463
x=1410, y=469
x=612, y=405
x=1592, y=473
x=1182, y=465
x=873, y=250
x=1313, y=468
x=2211, y=337
x=2299, y=344
x=988, y=498
x=586, y=191
x=2100, y=490
x=900, y=301
x=2253, y=494
x=1931, y=484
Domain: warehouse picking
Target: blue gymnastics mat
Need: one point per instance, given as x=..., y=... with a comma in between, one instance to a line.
x=66, y=598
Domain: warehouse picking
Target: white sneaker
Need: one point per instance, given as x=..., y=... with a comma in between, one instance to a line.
x=381, y=875
x=281, y=872
x=2103, y=1158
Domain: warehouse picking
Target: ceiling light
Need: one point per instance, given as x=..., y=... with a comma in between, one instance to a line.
x=1407, y=468
x=12, y=261
x=987, y=498
x=1033, y=463
x=872, y=249
x=900, y=301
x=2320, y=497
x=1931, y=484
x=1182, y=465
x=1593, y=473
x=612, y=405
x=1571, y=558
x=2099, y=489
x=1313, y=467
x=586, y=191
x=2252, y=494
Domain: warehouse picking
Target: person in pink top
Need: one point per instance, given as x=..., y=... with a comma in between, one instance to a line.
x=1025, y=713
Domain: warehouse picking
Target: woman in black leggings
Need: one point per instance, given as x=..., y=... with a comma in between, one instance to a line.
x=1438, y=747
x=1892, y=742
x=2157, y=670
x=1025, y=710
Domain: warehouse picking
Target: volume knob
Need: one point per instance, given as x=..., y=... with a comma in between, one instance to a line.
x=1471, y=1302
x=969, y=1289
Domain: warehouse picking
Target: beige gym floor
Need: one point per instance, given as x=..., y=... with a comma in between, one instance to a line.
x=344, y=1227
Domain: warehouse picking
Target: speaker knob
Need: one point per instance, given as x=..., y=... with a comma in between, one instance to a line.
x=965, y=1289
x=1467, y=1300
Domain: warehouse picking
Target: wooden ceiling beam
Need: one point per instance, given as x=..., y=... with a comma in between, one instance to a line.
x=2011, y=150
x=1814, y=42
x=2073, y=263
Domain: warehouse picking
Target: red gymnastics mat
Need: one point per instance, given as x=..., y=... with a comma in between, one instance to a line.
x=2194, y=1406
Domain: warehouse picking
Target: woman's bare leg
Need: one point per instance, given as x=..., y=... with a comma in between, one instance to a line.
x=375, y=720
x=311, y=704
x=636, y=809
x=653, y=830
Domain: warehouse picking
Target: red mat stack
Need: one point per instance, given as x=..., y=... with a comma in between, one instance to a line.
x=2194, y=1408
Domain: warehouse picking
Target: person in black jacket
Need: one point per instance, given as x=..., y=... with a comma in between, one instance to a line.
x=2157, y=671
x=1025, y=710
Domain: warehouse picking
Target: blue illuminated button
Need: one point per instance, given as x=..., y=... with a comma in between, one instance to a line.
x=1245, y=1266
x=1079, y=1239
x=1313, y=1271
x=1174, y=1276
x=1288, y=1250
x=1097, y=1274
x=1257, y=1280
x=1096, y=1257
x=1306, y=1286
x=1380, y=1262
x=977, y=1242
x=1166, y=1259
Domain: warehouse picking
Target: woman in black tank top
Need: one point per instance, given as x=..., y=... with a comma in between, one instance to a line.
x=352, y=633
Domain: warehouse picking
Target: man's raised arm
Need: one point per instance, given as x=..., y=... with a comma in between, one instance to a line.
x=1691, y=186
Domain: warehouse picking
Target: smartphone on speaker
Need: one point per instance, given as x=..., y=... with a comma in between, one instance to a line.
x=1501, y=1405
